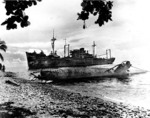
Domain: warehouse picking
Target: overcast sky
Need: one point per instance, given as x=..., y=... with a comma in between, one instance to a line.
x=127, y=35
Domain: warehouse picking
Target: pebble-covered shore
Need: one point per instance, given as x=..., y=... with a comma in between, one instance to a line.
x=21, y=98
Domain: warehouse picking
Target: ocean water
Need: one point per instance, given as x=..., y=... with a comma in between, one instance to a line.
x=134, y=90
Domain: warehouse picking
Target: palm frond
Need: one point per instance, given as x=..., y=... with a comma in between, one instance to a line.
x=2, y=42
x=3, y=47
x=1, y=57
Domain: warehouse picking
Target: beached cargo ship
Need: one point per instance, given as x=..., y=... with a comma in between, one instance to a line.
x=72, y=58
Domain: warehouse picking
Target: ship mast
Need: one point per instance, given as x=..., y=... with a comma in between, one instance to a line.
x=53, y=43
x=94, y=50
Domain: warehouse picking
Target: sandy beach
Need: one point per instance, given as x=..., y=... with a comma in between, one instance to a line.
x=23, y=98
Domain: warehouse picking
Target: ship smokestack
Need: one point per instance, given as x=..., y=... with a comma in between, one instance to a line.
x=65, y=48
x=108, y=53
x=68, y=50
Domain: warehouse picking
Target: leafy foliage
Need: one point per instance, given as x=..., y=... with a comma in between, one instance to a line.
x=102, y=8
x=3, y=47
x=15, y=11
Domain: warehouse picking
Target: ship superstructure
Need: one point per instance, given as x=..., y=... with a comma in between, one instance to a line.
x=72, y=58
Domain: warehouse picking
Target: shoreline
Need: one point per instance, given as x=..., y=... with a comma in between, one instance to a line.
x=47, y=100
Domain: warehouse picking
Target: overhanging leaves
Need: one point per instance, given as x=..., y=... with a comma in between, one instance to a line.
x=102, y=8
x=15, y=11
x=1, y=57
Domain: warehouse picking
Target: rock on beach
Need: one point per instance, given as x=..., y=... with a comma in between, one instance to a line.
x=33, y=99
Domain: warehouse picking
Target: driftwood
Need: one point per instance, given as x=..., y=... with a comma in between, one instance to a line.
x=11, y=83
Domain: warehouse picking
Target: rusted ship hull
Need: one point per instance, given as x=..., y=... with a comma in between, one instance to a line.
x=46, y=62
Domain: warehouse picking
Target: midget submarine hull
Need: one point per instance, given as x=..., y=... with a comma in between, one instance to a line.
x=78, y=73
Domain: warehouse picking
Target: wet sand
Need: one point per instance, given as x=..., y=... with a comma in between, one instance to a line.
x=21, y=98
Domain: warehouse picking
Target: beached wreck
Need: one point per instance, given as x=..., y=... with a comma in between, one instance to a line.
x=72, y=58
x=77, y=73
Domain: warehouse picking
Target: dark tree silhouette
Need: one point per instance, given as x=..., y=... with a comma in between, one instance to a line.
x=3, y=47
x=102, y=8
x=15, y=11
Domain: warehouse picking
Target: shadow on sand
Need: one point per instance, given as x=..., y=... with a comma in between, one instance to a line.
x=7, y=110
x=92, y=80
